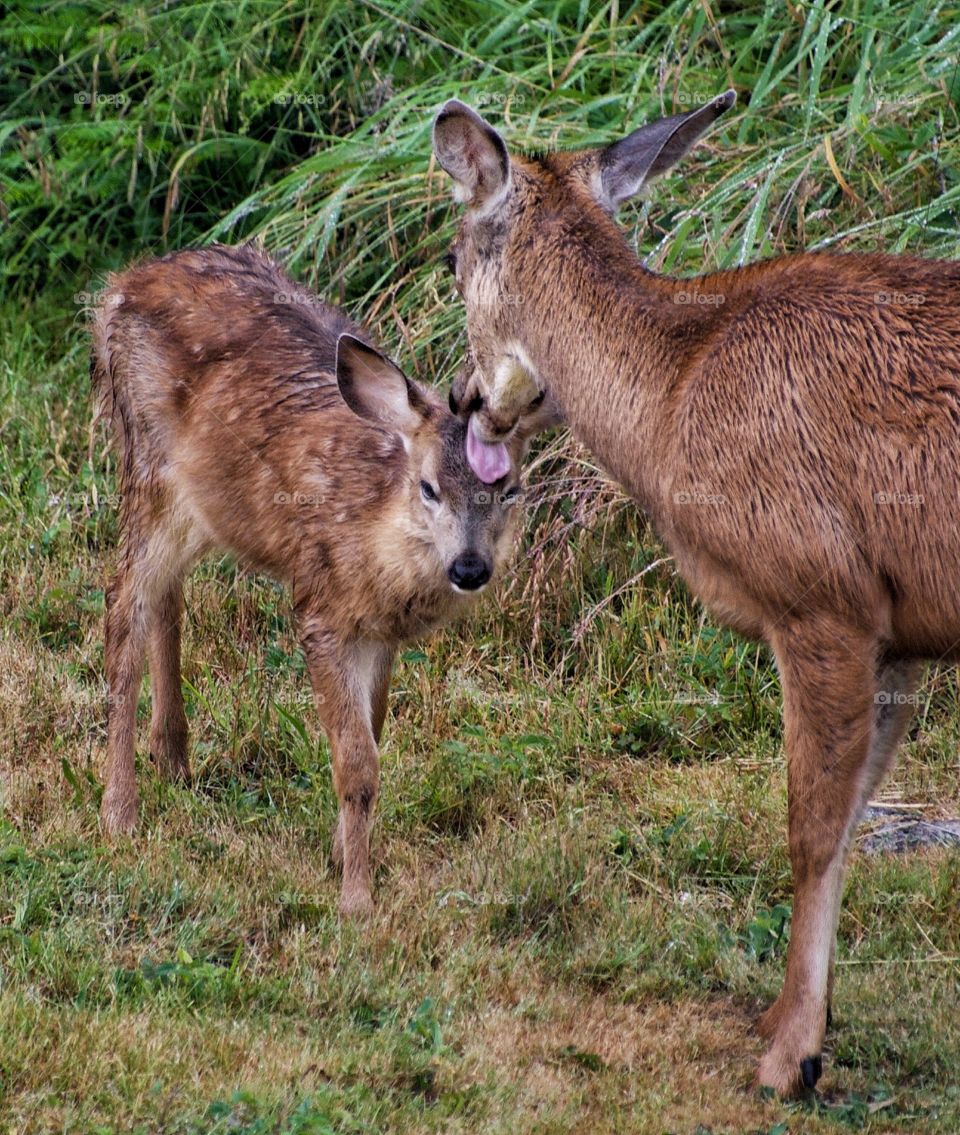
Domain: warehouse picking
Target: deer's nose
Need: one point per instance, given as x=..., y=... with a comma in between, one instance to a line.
x=469, y=571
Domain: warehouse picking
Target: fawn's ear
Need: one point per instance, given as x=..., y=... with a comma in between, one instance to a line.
x=474, y=155
x=628, y=165
x=376, y=389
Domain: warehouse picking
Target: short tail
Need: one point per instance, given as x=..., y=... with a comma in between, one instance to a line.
x=108, y=387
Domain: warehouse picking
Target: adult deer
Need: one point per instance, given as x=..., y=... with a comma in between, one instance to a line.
x=252, y=418
x=792, y=429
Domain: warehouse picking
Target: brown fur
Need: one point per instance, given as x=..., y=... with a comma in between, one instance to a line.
x=221, y=377
x=793, y=430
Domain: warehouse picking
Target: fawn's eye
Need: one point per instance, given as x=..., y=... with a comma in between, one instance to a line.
x=451, y=262
x=428, y=492
x=510, y=495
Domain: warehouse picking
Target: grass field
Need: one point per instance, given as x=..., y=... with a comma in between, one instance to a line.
x=582, y=878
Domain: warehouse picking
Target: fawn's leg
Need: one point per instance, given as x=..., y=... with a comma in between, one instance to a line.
x=168, y=723
x=342, y=674
x=380, y=672
x=124, y=645
x=144, y=602
x=829, y=675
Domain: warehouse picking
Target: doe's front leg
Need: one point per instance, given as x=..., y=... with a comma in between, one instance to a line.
x=828, y=672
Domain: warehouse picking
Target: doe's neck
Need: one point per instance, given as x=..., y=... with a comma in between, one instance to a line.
x=610, y=342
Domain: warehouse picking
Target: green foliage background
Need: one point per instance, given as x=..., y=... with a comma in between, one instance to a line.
x=128, y=128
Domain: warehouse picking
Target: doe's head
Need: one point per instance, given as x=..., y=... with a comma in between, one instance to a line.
x=462, y=526
x=512, y=205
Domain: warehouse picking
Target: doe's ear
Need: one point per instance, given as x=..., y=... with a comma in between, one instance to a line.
x=473, y=153
x=628, y=165
x=376, y=389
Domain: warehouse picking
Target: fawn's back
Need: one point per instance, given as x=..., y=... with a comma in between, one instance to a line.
x=220, y=375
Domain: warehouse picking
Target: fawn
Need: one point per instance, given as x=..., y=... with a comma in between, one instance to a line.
x=792, y=429
x=251, y=417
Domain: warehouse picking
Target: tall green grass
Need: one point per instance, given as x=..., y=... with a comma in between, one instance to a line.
x=141, y=127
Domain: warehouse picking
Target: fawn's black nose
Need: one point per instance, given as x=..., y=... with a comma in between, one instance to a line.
x=469, y=571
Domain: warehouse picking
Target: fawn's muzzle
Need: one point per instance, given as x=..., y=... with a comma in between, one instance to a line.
x=469, y=572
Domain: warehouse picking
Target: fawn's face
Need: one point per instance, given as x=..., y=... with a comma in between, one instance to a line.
x=515, y=205
x=469, y=524
x=454, y=525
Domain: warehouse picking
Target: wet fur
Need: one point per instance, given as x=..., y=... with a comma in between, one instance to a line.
x=794, y=437
x=218, y=373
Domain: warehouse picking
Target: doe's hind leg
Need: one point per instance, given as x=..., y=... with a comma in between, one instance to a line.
x=894, y=703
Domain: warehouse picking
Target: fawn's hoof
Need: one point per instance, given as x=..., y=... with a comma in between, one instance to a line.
x=356, y=904
x=176, y=770
x=118, y=815
x=784, y=1068
x=169, y=756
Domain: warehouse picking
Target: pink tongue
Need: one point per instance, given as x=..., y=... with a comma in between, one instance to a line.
x=489, y=462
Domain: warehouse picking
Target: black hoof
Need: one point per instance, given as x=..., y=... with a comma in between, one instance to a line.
x=811, y=1070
